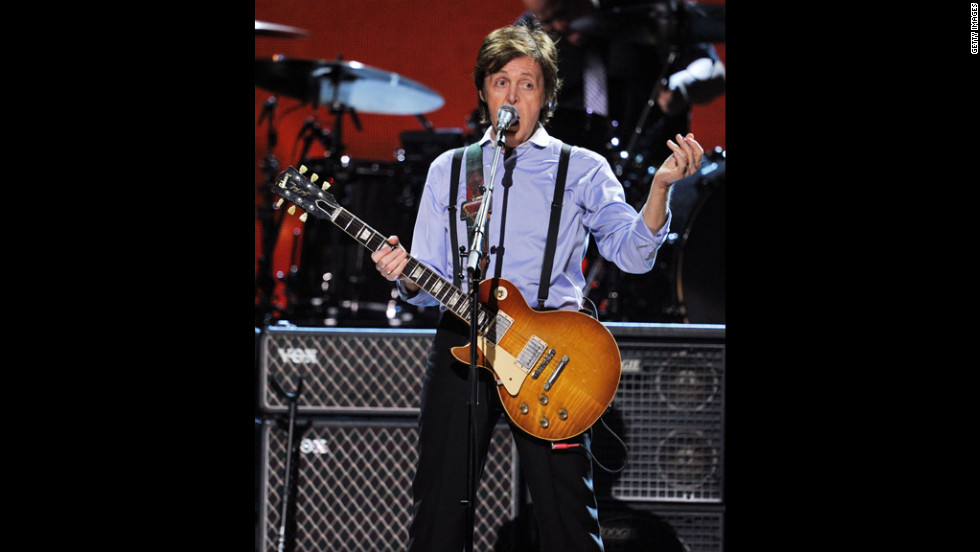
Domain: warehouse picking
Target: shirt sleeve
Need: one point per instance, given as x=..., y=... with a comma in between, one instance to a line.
x=429, y=238
x=621, y=235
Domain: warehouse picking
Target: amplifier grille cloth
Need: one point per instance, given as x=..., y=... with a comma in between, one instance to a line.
x=345, y=372
x=650, y=528
x=698, y=531
x=353, y=486
x=669, y=411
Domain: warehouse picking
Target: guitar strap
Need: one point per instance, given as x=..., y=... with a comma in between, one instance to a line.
x=453, y=190
x=474, y=179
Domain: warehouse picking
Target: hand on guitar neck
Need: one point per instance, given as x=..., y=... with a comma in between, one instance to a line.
x=391, y=261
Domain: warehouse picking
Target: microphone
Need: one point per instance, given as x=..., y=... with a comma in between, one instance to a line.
x=506, y=116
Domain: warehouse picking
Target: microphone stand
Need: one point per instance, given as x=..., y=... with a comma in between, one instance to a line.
x=652, y=101
x=287, y=521
x=265, y=283
x=474, y=268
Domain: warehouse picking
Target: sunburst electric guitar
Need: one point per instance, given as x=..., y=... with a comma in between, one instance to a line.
x=556, y=371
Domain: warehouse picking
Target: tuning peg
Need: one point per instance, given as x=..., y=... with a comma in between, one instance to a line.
x=302, y=218
x=302, y=169
x=314, y=177
x=291, y=210
x=326, y=186
x=279, y=203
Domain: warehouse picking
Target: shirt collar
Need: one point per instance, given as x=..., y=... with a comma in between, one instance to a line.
x=540, y=138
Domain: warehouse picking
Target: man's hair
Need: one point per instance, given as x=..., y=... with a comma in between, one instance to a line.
x=524, y=39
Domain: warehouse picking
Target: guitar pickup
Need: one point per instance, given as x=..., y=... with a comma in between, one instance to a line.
x=540, y=368
x=556, y=373
x=532, y=350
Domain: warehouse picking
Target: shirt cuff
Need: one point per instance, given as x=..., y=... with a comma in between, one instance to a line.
x=404, y=292
x=651, y=241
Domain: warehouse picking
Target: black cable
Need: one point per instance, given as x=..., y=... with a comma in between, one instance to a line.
x=578, y=446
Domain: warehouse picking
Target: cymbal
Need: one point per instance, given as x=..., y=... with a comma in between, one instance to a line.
x=273, y=29
x=345, y=83
x=656, y=24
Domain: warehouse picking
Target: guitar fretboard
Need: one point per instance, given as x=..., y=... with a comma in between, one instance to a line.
x=435, y=285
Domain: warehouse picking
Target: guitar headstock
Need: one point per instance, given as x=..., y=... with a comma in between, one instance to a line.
x=294, y=186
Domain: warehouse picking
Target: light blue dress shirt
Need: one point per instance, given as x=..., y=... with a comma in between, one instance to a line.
x=594, y=203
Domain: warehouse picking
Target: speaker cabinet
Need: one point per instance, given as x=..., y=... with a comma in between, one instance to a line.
x=669, y=411
x=653, y=527
x=636, y=527
x=356, y=441
x=351, y=482
x=344, y=371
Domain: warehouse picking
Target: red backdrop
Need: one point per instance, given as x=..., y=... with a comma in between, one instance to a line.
x=433, y=43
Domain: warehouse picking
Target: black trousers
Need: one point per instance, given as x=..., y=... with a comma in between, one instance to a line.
x=559, y=481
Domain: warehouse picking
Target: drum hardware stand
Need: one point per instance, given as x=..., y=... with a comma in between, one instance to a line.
x=651, y=101
x=287, y=519
x=427, y=124
x=265, y=282
x=352, y=275
x=334, y=152
x=337, y=109
x=645, y=179
x=311, y=131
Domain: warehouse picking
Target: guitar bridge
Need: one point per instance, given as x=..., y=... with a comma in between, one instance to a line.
x=554, y=375
x=530, y=353
x=547, y=359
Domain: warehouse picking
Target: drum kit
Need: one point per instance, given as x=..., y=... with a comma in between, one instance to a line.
x=328, y=276
x=330, y=279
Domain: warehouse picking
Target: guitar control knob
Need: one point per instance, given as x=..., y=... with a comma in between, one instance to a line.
x=543, y=421
x=562, y=413
x=523, y=408
x=543, y=399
